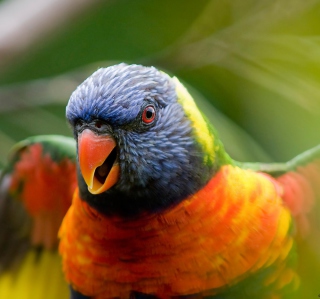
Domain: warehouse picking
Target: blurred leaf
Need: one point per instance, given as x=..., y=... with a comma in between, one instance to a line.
x=114, y=30
x=246, y=57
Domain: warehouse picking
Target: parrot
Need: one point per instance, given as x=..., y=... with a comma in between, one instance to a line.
x=159, y=209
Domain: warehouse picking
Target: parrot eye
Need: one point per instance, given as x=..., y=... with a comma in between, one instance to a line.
x=98, y=124
x=148, y=114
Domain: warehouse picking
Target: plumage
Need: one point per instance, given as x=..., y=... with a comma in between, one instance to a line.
x=160, y=209
x=197, y=246
x=36, y=187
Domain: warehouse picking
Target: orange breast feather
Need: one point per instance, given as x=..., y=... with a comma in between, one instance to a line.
x=233, y=227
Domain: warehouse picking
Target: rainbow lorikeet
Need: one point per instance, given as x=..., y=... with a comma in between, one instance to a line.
x=162, y=211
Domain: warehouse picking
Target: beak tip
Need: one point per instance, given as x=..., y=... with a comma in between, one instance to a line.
x=88, y=179
x=90, y=189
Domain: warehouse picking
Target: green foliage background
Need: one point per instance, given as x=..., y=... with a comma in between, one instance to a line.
x=253, y=66
x=255, y=61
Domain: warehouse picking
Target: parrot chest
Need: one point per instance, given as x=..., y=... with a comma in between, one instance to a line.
x=208, y=241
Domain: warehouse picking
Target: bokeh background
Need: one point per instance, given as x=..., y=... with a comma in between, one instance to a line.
x=253, y=67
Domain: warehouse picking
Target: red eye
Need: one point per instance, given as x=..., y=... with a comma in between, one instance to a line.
x=98, y=124
x=148, y=114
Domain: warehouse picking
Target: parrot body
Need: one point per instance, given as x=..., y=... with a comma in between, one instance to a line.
x=233, y=228
x=162, y=211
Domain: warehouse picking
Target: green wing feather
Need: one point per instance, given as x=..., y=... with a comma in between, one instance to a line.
x=59, y=147
x=276, y=169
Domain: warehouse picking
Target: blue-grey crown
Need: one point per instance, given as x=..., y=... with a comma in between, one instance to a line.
x=115, y=93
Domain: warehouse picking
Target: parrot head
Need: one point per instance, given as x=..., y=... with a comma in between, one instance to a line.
x=142, y=143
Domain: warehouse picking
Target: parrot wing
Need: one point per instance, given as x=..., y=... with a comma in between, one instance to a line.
x=299, y=181
x=36, y=188
x=275, y=169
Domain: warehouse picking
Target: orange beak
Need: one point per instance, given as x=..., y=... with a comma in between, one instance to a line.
x=97, y=159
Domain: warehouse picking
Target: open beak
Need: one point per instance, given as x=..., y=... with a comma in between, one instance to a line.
x=97, y=159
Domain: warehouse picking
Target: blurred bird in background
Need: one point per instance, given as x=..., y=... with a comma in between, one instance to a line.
x=255, y=62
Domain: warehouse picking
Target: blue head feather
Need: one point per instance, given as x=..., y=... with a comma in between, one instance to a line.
x=115, y=94
x=161, y=164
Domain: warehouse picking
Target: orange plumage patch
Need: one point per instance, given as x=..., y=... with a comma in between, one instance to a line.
x=46, y=189
x=301, y=188
x=233, y=227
